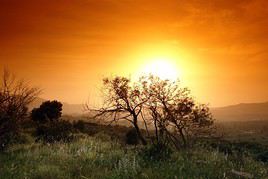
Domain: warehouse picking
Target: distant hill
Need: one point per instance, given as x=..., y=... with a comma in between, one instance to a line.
x=239, y=112
x=68, y=109
x=242, y=112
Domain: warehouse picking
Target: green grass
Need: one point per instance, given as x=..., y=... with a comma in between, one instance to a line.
x=100, y=157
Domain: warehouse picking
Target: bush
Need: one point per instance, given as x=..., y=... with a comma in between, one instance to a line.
x=79, y=125
x=55, y=131
x=38, y=115
x=132, y=137
x=15, y=96
x=8, y=133
x=156, y=152
x=262, y=157
x=48, y=110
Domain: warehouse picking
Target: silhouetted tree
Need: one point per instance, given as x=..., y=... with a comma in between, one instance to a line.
x=15, y=96
x=163, y=104
x=175, y=115
x=48, y=110
x=122, y=102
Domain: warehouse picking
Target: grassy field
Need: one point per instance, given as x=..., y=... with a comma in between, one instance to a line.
x=99, y=157
x=100, y=154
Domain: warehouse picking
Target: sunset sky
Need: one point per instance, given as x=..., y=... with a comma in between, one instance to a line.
x=218, y=48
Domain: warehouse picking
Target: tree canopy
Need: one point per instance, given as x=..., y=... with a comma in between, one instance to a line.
x=48, y=111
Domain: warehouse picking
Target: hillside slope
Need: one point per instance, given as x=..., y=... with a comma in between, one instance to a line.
x=242, y=112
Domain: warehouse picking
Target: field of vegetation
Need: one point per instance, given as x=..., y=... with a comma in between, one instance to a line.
x=247, y=131
x=98, y=151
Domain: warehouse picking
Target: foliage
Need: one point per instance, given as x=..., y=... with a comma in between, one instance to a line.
x=8, y=132
x=48, y=110
x=156, y=152
x=263, y=156
x=55, y=131
x=38, y=115
x=132, y=137
x=80, y=125
x=15, y=96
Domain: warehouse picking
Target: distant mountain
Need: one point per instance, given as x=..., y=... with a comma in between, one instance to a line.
x=67, y=109
x=242, y=112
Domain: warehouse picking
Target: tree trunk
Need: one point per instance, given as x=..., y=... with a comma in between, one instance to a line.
x=135, y=122
x=156, y=132
x=183, y=137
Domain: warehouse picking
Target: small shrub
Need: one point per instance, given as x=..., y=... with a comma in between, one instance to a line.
x=79, y=125
x=55, y=131
x=132, y=137
x=28, y=124
x=8, y=132
x=262, y=157
x=11, y=134
x=156, y=152
x=8, y=138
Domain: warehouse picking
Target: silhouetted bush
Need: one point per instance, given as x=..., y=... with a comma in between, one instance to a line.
x=79, y=125
x=48, y=111
x=156, y=152
x=55, y=131
x=8, y=132
x=132, y=137
x=262, y=156
x=38, y=115
x=11, y=134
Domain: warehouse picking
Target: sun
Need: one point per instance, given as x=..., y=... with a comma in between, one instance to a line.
x=162, y=60
x=161, y=67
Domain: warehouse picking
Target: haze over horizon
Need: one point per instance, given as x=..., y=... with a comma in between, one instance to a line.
x=218, y=49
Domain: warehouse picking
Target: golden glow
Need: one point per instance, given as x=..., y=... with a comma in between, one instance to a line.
x=161, y=60
x=162, y=68
x=216, y=48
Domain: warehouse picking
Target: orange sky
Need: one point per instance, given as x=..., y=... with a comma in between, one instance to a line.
x=66, y=47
